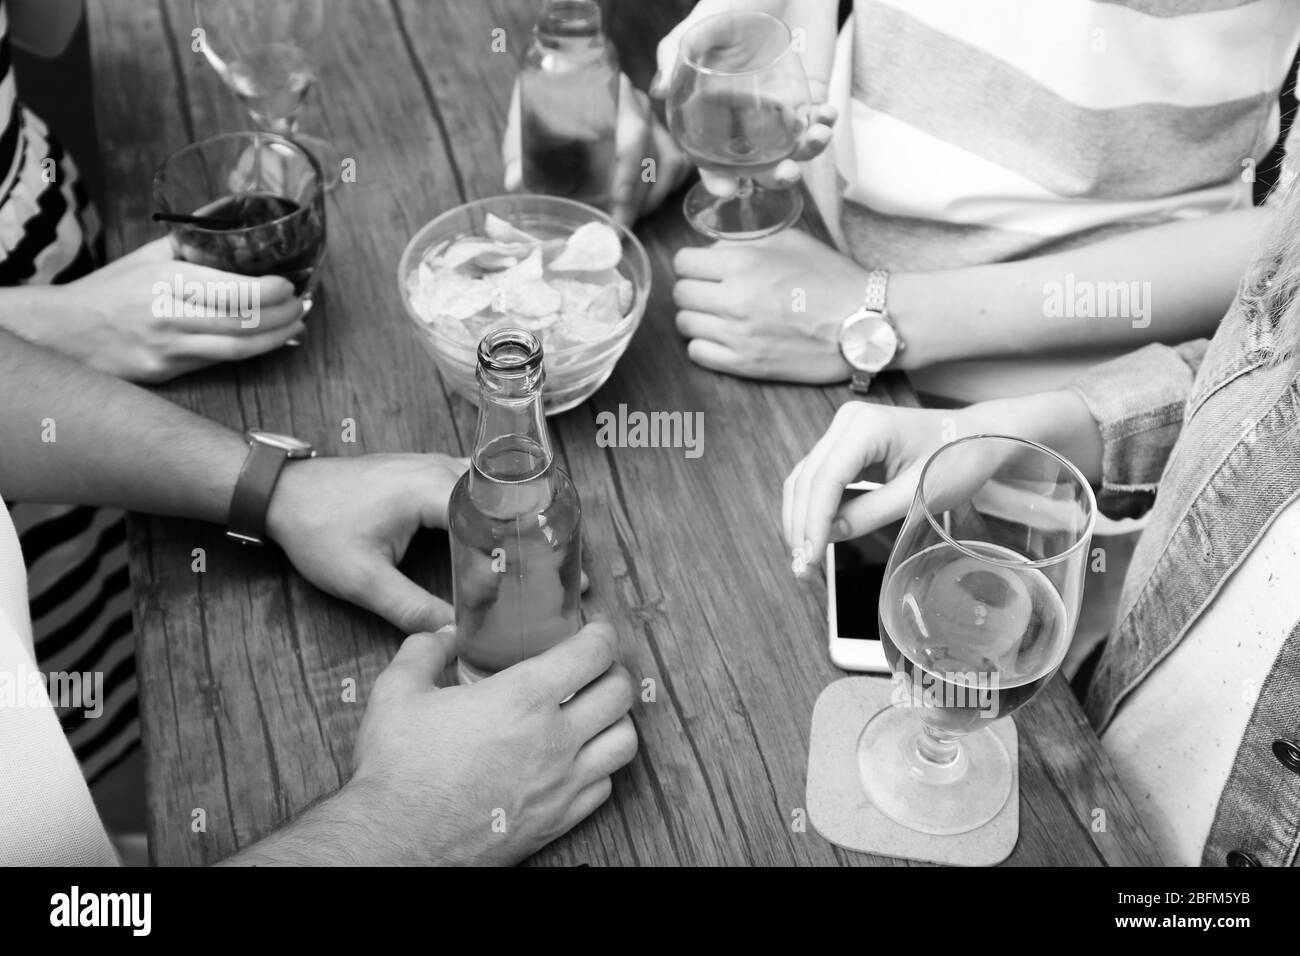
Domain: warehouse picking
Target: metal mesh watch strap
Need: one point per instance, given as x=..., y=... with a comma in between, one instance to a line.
x=877, y=287
x=873, y=299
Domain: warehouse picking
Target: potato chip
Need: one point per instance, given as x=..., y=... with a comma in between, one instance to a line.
x=530, y=269
x=456, y=330
x=626, y=293
x=604, y=307
x=576, y=296
x=538, y=324
x=599, y=277
x=570, y=293
x=531, y=298
x=593, y=245
x=498, y=230
x=447, y=292
x=480, y=253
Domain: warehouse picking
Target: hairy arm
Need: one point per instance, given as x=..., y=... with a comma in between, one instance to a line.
x=72, y=434
x=341, y=830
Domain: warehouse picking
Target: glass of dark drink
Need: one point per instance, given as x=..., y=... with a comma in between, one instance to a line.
x=738, y=105
x=980, y=601
x=251, y=203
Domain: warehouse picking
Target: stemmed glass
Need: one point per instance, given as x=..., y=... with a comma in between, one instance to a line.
x=737, y=105
x=262, y=50
x=980, y=602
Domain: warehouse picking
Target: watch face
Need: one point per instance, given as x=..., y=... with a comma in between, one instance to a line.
x=868, y=342
x=284, y=442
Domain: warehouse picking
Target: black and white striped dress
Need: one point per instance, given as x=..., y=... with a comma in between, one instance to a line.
x=76, y=557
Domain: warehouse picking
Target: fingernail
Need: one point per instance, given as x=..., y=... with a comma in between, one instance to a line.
x=656, y=82
x=839, y=530
x=810, y=552
x=306, y=305
x=798, y=563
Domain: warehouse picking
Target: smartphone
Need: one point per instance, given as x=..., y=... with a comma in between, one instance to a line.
x=855, y=573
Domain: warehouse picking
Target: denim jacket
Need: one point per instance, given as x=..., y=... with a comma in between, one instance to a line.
x=1214, y=427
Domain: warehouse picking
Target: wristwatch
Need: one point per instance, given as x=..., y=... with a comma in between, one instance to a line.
x=267, y=453
x=869, y=340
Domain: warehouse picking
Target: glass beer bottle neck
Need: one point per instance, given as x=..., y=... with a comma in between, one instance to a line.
x=569, y=19
x=511, y=448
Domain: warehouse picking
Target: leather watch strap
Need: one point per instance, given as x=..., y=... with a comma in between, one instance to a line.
x=248, y=505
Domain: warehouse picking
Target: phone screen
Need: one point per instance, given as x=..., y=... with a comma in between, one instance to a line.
x=859, y=576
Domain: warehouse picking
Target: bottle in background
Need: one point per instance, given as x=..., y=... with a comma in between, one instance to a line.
x=568, y=99
x=514, y=519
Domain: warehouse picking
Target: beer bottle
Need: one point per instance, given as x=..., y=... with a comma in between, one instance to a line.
x=568, y=100
x=514, y=520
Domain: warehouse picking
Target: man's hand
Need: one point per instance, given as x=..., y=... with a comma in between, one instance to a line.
x=345, y=523
x=490, y=773
x=770, y=308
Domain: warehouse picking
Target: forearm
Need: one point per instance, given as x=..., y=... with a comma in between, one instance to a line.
x=1179, y=279
x=818, y=21
x=70, y=434
x=32, y=312
x=1060, y=420
x=341, y=830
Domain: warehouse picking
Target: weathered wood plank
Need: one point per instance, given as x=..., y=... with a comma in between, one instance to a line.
x=242, y=665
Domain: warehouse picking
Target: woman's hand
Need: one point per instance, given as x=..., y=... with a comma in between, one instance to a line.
x=770, y=308
x=861, y=435
x=902, y=440
x=148, y=316
x=818, y=122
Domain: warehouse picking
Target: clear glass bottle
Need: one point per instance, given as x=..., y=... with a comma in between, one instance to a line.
x=515, y=520
x=568, y=99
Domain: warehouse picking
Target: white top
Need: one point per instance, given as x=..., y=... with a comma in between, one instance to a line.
x=1175, y=738
x=46, y=814
x=977, y=131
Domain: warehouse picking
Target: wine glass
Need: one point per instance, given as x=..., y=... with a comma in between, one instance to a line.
x=980, y=602
x=263, y=53
x=738, y=105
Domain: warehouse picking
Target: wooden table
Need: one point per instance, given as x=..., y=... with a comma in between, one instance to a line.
x=242, y=667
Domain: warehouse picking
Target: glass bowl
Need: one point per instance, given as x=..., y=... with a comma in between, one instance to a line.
x=572, y=374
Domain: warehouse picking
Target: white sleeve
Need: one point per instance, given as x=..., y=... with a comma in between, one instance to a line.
x=47, y=817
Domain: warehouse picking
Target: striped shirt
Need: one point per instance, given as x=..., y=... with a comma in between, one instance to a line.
x=76, y=557
x=992, y=130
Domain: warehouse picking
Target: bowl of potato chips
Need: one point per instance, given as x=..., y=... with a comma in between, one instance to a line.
x=564, y=271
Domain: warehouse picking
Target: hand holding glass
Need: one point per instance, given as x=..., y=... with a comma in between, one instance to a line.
x=738, y=104
x=980, y=602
